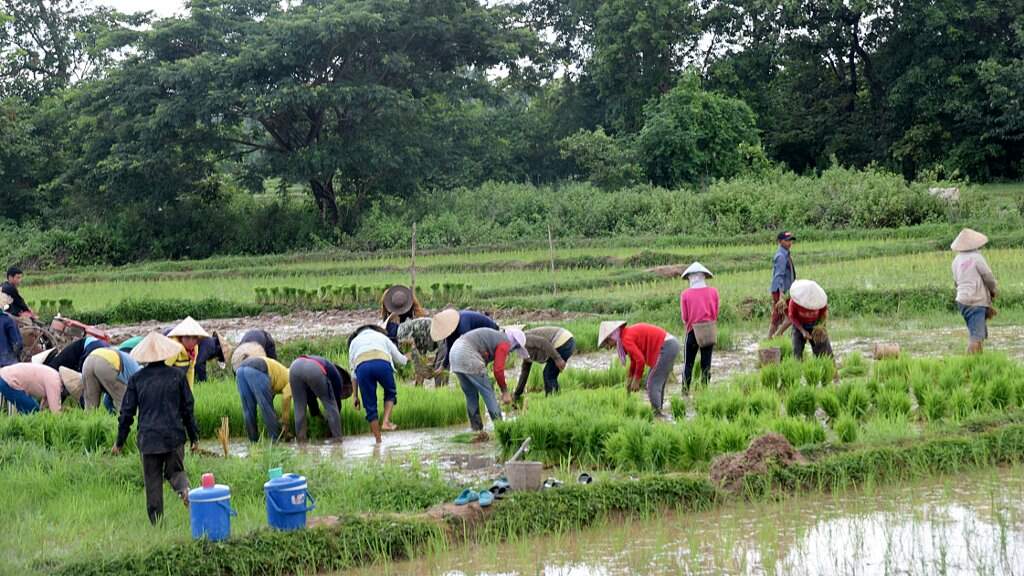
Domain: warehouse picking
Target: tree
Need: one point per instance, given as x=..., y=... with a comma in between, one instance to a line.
x=693, y=136
x=605, y=161
x=337, y=94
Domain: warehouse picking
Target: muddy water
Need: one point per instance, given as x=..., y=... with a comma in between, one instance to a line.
x=972, y=524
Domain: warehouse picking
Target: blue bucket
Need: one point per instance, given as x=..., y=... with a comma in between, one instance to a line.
x=210, y=512
x=288, y=501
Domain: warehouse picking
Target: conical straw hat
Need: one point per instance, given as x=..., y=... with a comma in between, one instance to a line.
x=398, y=299
x=606, y=329
x=807, y=294
x=41, y=357
x=443, y=324
x=72, y=381
x=156, y=347
x=697, y=267
x=246, y=351
x=188, y=327
x=968, y=240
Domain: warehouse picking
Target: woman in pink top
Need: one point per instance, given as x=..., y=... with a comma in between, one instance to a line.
x=27, y=385
x=698, y=304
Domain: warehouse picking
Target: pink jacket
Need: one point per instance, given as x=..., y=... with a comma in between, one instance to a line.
x=37, y=380
x=698, y=305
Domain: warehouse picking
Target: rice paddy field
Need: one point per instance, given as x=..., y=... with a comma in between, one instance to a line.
x=906, y=465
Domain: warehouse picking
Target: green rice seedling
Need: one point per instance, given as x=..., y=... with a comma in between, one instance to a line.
x=628, y=447
x=790, y=373
x=934, y=404
x=858, y=401
x=784, y=344
x=763, y=403
x=665, y=447
x=819, y=371
x=829, y=403
x=950, y=377
x=884, y=429
x=846, y=428
x=732, y=436
x=678, y=404
x=801, y=401
x=961, y=405
x=720, y=403
x=892, y=403
x=853, y=365
x=893, y=370
x=979, y=397
x=1000, y=392
x=798, y=431
x=771, y=376
x=699, y=443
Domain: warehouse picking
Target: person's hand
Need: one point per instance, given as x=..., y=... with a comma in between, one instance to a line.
x=116, y=450
x=355, y=403
x=506, y=398
x=560, y=364
x=807, y=335
x=194, y=447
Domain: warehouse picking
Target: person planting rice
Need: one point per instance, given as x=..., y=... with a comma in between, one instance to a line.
x=244, y=352
x=212, y=348
x=975, y=286
x=259, y=380
x=698, y=306
x=398, y=305
x=71, y=356
x=783, y=276
x=645, y=345
x=450, y=324
x=315, y=377
x=11, y=343
x=27, y=385
x=372, y=357
x=162, y=397
x=107, y=370
x=471, y=354
x=263, y=339
x=414, y=340
x=188, y=333
x=548, y=345
x=808, y=311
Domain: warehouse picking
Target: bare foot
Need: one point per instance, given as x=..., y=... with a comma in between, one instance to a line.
x=388, y=426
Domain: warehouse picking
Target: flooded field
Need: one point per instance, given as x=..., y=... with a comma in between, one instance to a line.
x=968, y=524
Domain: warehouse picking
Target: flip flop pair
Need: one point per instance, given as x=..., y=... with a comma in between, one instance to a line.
x=485, y=498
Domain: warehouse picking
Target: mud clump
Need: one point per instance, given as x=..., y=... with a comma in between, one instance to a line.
x=729, y=470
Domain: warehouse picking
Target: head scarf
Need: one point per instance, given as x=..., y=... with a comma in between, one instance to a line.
x=617, y=337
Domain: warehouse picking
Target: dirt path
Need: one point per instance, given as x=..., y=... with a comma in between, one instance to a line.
x=307, y=324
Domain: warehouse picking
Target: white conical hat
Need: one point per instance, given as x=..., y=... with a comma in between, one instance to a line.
x=606, y=329
x=246, y=351
x=189, y=327
x=443, y=324
x=42, y=356
x=968, y=240
x=72, y=381
x=697, y=267
x=156, y=347
x=807, y=294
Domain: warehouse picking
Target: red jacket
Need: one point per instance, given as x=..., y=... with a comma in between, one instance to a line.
x=642, y=343
x=801, y=316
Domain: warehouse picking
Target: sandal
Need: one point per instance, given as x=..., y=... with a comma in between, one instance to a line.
x=486, y=499
x=585, y=478
x=552, y=483
x=468, y=495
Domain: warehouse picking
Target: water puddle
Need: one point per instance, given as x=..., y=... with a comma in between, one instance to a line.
x=969, y=524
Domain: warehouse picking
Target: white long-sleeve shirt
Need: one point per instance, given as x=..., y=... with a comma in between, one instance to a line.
x=372, y=345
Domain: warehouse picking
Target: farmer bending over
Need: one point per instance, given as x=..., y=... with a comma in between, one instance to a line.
x=646, y=345
x=27, y=385
x=372, y=356
x=808, y=311
x=548, y=345
x=470, y=356
x=259, y=380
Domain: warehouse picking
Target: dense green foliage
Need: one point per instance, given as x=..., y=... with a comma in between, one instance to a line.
x=128, y=137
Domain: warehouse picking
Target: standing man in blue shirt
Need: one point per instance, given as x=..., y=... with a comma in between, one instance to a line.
x=783, y=275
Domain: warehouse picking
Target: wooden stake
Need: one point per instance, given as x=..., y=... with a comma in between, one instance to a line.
x=224, y=433
x=551, y=250
x=413, y=269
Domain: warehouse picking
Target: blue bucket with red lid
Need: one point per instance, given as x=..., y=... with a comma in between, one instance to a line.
x=210, y=512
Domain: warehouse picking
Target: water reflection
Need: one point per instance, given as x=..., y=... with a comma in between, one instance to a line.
x=970, y=524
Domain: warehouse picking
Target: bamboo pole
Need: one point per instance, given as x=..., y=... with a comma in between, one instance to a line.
x=412, y=270
x=551, y=251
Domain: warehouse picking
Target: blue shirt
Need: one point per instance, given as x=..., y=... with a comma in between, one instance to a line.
x=10, y=340
x=468, y=321
x=783, y=271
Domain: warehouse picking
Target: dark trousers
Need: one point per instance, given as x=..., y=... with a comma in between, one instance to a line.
x=691, y=357
x=799, y=343
x=155, y=469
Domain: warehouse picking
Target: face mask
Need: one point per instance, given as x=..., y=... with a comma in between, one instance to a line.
x=697, y=280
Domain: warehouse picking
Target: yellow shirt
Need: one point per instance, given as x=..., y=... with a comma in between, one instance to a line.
x=279, y=385
x=110, y=355
x=183, y=360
